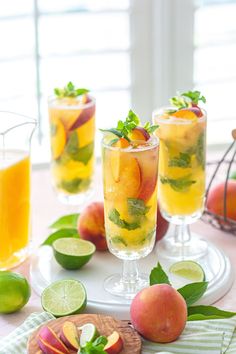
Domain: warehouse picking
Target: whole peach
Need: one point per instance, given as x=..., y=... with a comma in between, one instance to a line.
x=159, y=313
x=91, y=225
x=215, y=200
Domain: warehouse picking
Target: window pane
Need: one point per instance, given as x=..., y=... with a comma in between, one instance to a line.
x=16, y=7
x=62, y=5
x=16, y=38
x=80, y=32
x=95, y=72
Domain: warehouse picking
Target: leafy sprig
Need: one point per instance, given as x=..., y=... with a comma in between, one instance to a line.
x=131, y=122
x=70, y=91
x=94, y=347
x=186, y=99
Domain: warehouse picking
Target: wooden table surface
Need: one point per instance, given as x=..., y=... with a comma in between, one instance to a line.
x=46, y=209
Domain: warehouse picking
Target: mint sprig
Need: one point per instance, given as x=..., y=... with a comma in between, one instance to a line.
x=186, y=99
x=114, y=216
x=69, y=91
x=94, y=347
x=181, y=184
x=126, y=127
x=150, y=128
x=137, y=207
x=183, y=160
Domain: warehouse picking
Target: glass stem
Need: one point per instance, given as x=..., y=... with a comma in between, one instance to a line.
x=130, y=274
x=182, y=236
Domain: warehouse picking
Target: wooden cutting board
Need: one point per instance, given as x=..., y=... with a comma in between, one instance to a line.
x=105, y=325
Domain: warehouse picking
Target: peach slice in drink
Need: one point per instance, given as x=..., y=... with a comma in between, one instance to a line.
x=58, y=138
x=139, y=133
x=116, y=158
x=185, y=114
x=148, y=171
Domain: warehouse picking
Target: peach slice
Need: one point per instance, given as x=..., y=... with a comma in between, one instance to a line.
x=47, y=348
x=148, y=166
x=85, y=115
x=114, y=344
x=116, y=158
x=139, y=133
x=58, y=138
x=49, y=338
x=185, y=114
x=196, y=110
x=69, y=335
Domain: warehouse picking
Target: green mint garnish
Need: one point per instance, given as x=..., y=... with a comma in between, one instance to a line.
x=131, y=122
x=114, y=216
x=137, y=207
x=75, y=185
x=158, y=276
x=179, y=184
x=119, y=239
x=76, y=153
x=95, y=347
x=150, y=128
x=66, y=222
x=185, y=99
x=70, y=91
x=183, y=160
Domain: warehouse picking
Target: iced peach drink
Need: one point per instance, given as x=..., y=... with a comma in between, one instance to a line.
x=182, y=134
x=72, y=130
x=130, y=162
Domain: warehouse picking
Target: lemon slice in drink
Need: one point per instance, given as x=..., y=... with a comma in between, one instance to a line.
x=89, y=333
x=64, y=297
x=188, y=269
x=72, y=253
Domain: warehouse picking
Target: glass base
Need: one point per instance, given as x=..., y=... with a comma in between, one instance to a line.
x=16, y=259
x=75, y=199
x=115, y=285
x=193, y=249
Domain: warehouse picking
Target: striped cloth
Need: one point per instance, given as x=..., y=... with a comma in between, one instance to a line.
x=208, y=337
x=199, y=337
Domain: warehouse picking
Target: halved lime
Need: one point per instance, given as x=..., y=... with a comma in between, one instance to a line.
x=72, y=253
x=89, y=333
x=64, y=297
x=188, y=269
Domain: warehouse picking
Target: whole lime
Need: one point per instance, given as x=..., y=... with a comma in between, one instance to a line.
x=14, y=291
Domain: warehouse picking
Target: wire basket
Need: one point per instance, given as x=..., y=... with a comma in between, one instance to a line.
x=221, y=171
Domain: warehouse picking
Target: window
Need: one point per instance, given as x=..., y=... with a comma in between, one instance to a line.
x=214, y=64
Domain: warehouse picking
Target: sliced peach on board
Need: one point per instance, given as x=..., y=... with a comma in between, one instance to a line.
x=48, y=348
x=114, y=344
x=58, y=138
x=69, y=335
x=48, y=336
x=139, y=133
x=185, y=114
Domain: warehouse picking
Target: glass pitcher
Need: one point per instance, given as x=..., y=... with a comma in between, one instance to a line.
x=15, y=139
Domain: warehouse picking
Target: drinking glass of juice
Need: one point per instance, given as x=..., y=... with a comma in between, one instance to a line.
x=72, y=132
x=15, y=138
x=130, y=161
x=181, y=191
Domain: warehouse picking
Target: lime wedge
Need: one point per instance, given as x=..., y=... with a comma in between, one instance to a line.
x=64, y=297
x=188, y=269
x=72, y=253
x=89, y=333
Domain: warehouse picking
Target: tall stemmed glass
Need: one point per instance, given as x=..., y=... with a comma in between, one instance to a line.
x=130, y=200
x=181, y=182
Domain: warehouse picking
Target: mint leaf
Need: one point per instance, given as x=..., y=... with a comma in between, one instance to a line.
x=85, y=153
x=137, y=207
x=100, y=340
x=179, y=102
x=75, y=185
x=202, y=312
x=72, y=149
x=194, y=96
x=114, y=216
x=95, y=347
x=66, y=222
x=131, y=122
x=200, y=150
x=70, y=91
x=183, y=160
x=158, y=276
x=113, y=131
x=181, y=184
x=59, y=234
x=193, y=292
x=119, y=239
x=150, y=128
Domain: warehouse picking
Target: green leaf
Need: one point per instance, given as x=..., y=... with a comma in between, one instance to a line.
x=131, y=122
x=60, y=234
x=202, y=312
x=114, y=216
x=200, y=150
x=193, y=292
x=66, y=222
x=113, y=131
x=100, y=340
x=152, y=129
x=158, y=276
x=179, y=102
x=95, y=347
x=75, y=185
x=70, y=91
x=85, y=153
x=137, y=207
x=183, y=160
x=119, y=239
x=181, y=184
x=194, y=96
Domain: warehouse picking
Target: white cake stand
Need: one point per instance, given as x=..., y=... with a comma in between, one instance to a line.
x=44, y=270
